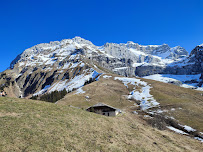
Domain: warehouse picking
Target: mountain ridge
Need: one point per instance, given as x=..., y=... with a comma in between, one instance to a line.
x=78, y=40
x=60, y=63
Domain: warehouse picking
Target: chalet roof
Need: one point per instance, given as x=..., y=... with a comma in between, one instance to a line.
x=101, y=105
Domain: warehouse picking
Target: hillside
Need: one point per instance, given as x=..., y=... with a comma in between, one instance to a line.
x=186, y=104
x=182, y=106
x=28, y=125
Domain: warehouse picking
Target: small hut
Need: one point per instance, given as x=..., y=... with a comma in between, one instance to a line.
x=104, y=109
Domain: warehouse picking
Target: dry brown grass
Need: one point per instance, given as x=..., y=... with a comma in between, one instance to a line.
x=50, y=127
x=11, y=114
x=106, y=91
x=188, y=103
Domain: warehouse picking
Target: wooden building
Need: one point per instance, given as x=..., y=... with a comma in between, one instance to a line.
x=104, y=109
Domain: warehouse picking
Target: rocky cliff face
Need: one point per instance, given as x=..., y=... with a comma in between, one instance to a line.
x=71, y=62
x=192, y=64
x=196, y=57
x=132, y=59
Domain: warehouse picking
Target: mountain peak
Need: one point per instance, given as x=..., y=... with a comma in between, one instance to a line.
x=80, y=40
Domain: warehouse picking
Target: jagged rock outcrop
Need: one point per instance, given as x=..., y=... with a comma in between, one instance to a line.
x=196, y=57
x=193, y=64
x=148, y=70
x=135, y=59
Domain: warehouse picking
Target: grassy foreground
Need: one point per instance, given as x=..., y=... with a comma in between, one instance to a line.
x=27, y=125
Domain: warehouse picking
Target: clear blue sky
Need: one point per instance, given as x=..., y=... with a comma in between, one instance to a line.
x=24, y=23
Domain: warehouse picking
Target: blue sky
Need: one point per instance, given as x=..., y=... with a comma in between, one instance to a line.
x=25, y=23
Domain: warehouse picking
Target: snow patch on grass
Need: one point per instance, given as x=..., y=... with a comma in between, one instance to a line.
x=132, y=81
x=177, y=130
x=107, y=76
x=197, y=138
x=167, y=78
x=80, y=91
x=188, y=128
x=147, y=100
x=135, y=112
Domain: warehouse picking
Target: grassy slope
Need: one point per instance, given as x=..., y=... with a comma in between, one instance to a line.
x=169, y=96
x=105, y=90
x=37, y=126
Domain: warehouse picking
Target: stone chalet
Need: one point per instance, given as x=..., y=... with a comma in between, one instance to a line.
x=104, y=109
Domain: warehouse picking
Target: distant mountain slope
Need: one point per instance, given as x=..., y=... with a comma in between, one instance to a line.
x=49, y=67
x=193, y=64
x=186, y=81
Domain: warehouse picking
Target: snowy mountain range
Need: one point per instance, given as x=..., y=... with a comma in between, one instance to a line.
x=136, y=54
x=70, y=63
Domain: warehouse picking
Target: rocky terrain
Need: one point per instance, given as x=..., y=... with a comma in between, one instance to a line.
x=60, y=64
x=193, y=64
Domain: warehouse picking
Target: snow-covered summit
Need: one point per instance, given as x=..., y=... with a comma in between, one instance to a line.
x=124, y=58
x=45, y=53
x=80, y=40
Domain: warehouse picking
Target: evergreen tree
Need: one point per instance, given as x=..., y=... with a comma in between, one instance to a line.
x=53, y=96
